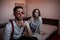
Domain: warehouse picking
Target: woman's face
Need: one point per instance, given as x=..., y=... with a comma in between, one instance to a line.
x=36, y=13
x=19, y=14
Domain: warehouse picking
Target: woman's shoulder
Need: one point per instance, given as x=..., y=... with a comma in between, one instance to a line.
x=40, y=18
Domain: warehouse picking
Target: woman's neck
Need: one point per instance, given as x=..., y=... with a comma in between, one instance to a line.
x=36, y=18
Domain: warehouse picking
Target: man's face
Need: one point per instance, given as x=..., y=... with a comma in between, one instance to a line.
x=19, y=15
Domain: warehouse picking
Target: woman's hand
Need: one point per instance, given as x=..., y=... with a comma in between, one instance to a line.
x=43, y=33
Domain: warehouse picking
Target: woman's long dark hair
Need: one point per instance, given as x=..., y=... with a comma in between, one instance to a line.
x=33, y=13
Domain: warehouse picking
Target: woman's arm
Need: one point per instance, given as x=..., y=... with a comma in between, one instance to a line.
x=40, y=27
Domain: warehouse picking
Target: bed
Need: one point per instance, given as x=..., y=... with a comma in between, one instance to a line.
x=48, y=29
x=50, y=26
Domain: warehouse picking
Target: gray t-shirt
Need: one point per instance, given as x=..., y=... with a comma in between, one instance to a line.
x=17, y=31
x=36, y=25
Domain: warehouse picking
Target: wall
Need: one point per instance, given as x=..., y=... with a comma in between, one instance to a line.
x=0, y=10
x=6, y=8
x=59, y=17
x=48, y=8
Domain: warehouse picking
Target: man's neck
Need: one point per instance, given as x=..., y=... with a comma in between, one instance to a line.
x=19, y=21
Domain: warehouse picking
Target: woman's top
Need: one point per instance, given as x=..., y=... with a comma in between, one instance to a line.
x=35, y=25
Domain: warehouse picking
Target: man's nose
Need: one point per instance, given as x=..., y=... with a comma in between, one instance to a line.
x=19, y=14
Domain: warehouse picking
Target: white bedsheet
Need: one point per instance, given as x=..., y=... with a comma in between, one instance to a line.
x=48, y=29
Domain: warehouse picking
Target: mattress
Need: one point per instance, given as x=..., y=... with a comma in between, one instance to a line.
x=48, y=29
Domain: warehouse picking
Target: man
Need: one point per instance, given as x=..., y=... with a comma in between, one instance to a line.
x=18, y=26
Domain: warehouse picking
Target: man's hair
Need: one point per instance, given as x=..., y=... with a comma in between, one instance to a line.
x=15, y=8
x=33, y=13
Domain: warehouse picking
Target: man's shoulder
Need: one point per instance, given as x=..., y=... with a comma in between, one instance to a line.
x=26, y=21
x=8, y=25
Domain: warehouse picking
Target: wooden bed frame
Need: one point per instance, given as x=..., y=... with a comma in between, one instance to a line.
x=45, y=21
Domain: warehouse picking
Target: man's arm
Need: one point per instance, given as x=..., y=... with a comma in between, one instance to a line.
x=7, y=32
x=28, y=29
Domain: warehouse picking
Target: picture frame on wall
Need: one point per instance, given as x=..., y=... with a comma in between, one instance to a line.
x=23, y=5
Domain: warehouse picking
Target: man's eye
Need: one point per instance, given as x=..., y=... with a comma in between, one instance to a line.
x=22, y=12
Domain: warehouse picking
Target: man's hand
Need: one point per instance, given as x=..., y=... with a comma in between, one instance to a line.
x=23, y=24
x=25, y=33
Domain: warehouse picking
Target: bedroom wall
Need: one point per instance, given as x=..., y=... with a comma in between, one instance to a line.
x=48, y=8
x=0, y=10
x=6, y=9
x=59, y=17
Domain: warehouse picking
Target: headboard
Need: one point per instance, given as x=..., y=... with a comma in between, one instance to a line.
x=50, y=21
x=45, y=21
x=2, y=25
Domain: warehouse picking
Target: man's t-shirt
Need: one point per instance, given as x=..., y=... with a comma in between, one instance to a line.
x=17, y=31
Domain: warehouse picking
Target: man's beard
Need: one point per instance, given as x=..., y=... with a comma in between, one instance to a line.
x=18, y=19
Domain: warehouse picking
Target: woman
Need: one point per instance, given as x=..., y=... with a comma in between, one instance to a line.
x=35, y=23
